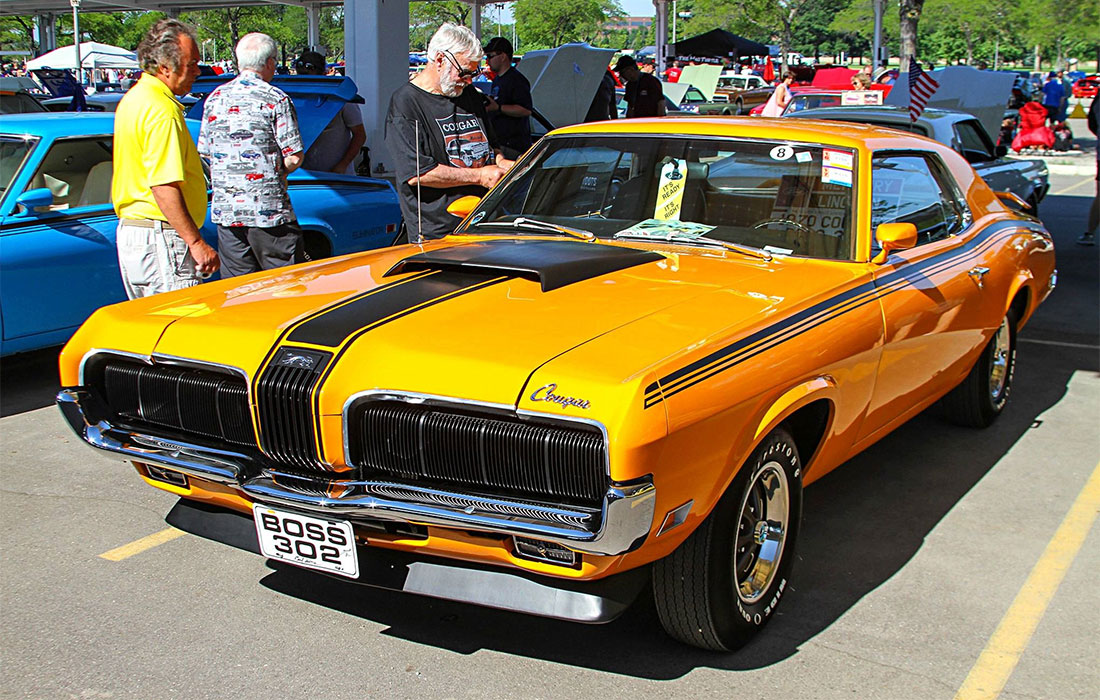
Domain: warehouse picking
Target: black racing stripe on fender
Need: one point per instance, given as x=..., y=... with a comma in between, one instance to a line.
x=783, y=330
x=482, y=283
x=289, y=329
x=333, y=328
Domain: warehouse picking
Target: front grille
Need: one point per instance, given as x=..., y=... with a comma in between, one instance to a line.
x=194, y=402
x=284, y=402
x=473, y=453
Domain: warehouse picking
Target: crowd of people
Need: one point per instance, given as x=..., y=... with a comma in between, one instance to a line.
x=447, y=141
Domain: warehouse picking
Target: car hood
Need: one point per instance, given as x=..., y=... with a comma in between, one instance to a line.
x=482, y=320
x=316, y=98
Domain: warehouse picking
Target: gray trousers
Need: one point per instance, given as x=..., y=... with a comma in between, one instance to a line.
x=245, y=249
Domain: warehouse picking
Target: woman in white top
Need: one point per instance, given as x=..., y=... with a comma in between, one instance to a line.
x=780, y=98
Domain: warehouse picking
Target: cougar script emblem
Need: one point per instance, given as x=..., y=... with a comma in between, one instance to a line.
x=546, y=393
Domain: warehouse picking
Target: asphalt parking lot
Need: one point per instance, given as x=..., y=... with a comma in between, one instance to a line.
x=941, y=563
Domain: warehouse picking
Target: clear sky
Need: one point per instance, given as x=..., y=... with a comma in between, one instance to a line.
x=632, y=8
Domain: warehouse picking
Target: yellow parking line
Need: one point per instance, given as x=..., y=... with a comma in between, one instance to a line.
x=1073, y=187
x=987, y=678
x=139, y=546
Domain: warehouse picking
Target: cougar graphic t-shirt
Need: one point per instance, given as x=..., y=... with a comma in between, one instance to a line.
x=441, y=130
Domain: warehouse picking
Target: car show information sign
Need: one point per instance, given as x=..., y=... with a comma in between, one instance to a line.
x=670, y=190
x=836, y=167
x=327, y=545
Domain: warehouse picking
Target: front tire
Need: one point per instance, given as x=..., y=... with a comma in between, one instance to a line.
x=982, y=396
x=722, y=585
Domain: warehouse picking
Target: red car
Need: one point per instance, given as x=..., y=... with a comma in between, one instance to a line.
x=1087, y=86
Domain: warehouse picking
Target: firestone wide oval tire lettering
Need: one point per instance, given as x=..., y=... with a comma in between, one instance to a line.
x=980, y=398
x=723, y=584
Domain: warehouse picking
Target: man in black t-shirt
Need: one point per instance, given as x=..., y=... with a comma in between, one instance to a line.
x=439, y=136
x=644, y=96
x=509, y=105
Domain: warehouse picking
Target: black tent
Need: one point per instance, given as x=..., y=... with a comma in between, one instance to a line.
x=718, y=43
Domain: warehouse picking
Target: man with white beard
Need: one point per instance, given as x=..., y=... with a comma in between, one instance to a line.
x=439, y=136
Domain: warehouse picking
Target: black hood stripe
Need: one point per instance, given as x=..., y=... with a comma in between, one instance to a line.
x=332, y=328
x=840, y=304
x=457, y=290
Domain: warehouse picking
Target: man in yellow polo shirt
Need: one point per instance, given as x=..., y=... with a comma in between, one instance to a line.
x=158, y=190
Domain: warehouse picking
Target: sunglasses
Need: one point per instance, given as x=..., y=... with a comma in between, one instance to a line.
x=462, y=73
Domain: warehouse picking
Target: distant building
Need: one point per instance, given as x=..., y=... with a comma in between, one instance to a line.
x=628, y=23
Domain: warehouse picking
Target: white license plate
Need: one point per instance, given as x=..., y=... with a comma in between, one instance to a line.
x=327, y=545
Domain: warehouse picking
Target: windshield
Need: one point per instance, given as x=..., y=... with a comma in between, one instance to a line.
x=784, y=198
x=13, y=151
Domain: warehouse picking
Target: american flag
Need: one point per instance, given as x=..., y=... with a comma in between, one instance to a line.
x=921, y=88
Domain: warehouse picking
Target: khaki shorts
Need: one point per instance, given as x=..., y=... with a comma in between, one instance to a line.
x=153, y=259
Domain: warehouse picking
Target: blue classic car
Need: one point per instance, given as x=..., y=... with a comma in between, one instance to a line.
x=58, y=262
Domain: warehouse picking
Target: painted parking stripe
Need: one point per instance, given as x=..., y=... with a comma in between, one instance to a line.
x=1060, y=344
x=987, y=678
x=138, y=546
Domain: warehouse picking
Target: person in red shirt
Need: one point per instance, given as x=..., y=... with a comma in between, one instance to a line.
x=672, y=75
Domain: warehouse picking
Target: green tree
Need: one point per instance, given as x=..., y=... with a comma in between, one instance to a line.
x=426, y=17
x=551, y=23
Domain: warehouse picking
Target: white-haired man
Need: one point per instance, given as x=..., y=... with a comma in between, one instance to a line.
x=250, y=136
x=439, y=136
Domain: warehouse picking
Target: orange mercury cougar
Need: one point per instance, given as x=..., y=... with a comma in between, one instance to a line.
x=623, y=366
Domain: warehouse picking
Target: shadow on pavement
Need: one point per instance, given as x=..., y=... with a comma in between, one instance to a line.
x=28, y=381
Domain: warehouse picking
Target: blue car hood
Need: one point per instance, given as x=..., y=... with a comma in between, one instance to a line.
x=316, y=98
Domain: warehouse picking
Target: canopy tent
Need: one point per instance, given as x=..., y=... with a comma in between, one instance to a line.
x=92, y=55
x=717, y=43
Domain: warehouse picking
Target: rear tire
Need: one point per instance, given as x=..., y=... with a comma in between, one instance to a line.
x=982, y=396
x=722, y=585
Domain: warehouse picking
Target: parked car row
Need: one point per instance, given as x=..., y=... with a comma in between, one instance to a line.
x=57, y=224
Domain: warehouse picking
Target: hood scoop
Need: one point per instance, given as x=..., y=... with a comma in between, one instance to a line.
x=553, y=264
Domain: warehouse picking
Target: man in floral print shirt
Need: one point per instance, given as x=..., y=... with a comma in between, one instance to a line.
x=250, y=136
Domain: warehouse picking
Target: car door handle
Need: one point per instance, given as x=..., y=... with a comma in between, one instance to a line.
x=978, y=274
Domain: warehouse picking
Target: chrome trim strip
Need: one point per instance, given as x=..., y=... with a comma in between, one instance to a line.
x=215, y=465
x=153, y=359
x=106, y=351
x=626, y=513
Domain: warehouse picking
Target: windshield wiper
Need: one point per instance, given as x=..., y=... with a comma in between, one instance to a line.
x=703, y=240
x=524, y=222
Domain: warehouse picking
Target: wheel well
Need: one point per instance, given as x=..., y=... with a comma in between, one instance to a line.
x=807, y=427
x=316, y=245
x=1020, y=305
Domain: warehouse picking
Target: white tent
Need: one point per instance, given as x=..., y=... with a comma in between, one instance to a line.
x=92, y=55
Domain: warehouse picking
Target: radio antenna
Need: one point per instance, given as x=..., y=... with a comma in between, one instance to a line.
x=419, y=224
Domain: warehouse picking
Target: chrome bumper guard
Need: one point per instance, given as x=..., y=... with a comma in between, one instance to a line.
x=626, y=513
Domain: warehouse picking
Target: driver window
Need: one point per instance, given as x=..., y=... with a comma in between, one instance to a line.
x=903, y=190
x=77, y=172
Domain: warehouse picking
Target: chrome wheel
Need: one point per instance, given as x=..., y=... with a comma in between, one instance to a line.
x=761, y=531
x=1001, y=356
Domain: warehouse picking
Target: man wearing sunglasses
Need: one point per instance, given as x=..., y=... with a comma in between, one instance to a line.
x=439, y=136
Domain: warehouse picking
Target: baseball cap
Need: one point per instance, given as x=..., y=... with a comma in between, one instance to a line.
x=625, y=62
x=499, y=44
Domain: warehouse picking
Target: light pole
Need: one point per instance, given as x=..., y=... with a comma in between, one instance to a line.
x=877, y=44
x=76, y=40
x=674, y=15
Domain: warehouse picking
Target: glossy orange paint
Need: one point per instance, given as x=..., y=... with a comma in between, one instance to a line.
x=686, y=362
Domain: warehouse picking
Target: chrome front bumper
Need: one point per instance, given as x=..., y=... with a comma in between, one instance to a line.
x=625, y=519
